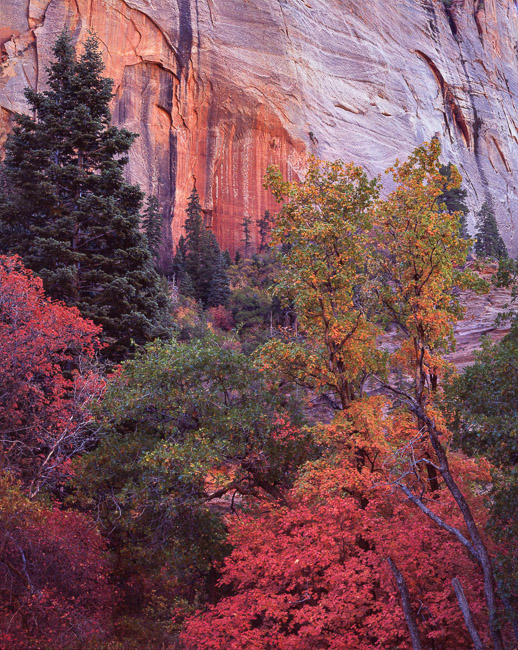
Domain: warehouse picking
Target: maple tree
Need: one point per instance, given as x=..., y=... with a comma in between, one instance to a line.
x=314, y=574
x=420, y=266
x=47, y=379
x=54, y=589
x=325, y=253
x=401, y=284
x=421, y=257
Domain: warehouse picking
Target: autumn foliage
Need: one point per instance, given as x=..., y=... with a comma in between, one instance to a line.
x=53, y=575
x=315, y=574
x=213, y=488
x=46, y=379
x=382, y=542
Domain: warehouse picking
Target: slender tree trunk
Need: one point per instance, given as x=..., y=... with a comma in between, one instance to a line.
x=407, y=606
x=476, y=539
x=478, y=548
x=466, y=612
x=419, y=408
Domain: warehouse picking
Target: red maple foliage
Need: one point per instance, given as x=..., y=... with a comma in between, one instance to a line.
x=315, y=573
x=46, y=378
x=221, y=317
x=54, y=590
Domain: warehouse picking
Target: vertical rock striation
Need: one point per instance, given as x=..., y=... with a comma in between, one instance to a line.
x=219, y=89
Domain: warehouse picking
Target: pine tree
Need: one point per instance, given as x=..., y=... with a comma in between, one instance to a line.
x=67, y=210
x=227, y=259
x=203, y=252
x=455, y=200
x=264, y=224
x=219, y=291
x=185, y=286
x=196, y=244
x=488, y=242
x=247, y=235
x=152, y=225
x=178, y=263
x=181, y=278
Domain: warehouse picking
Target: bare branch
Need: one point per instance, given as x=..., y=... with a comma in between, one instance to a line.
x=439, y=521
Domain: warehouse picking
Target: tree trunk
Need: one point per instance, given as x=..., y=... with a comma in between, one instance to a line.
x=476, y=539
x=407, y=606
x=477, y=545
x=466, y=612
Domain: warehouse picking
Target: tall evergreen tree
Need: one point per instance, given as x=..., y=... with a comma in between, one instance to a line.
x=185, y=286
x=264, y=224
x=152, y=224
x=203, y=256
x=219, y=290
x=455, y=200
x=226, y=259
x=197, y=245
x=67, y=210
x=488, y=242
x=178, y=263
x=247, y=235
x=181, y=278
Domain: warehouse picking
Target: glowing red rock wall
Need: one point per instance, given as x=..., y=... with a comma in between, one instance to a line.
x=219, y=89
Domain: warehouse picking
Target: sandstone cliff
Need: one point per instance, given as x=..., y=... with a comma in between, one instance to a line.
x=218, y=89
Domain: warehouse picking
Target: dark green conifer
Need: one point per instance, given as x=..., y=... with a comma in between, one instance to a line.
x=178, y=263
x=197, y=246
x=219, y=290
x=247, y=235
x=152, y=225
x=455, y=200
x=185, y=285
x=203, y=254
x=264, y=225
x=67, y=210
x=488, y=241
x=227, y=260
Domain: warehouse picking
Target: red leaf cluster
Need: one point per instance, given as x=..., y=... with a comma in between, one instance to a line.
x=53, y=575
x=46, y=377
x=315, y=573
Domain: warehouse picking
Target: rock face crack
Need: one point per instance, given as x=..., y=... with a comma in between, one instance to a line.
x=449, y=11
x=449, y=99
x=479, y=6
x=185, y=37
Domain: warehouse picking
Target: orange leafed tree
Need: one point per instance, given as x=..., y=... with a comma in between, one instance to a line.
x=420, y=254
x=389, y=513
x=326, y=257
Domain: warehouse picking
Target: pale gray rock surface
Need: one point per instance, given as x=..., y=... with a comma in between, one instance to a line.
x=219, y=89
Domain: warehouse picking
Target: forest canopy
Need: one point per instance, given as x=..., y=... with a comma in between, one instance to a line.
x=270, y=452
